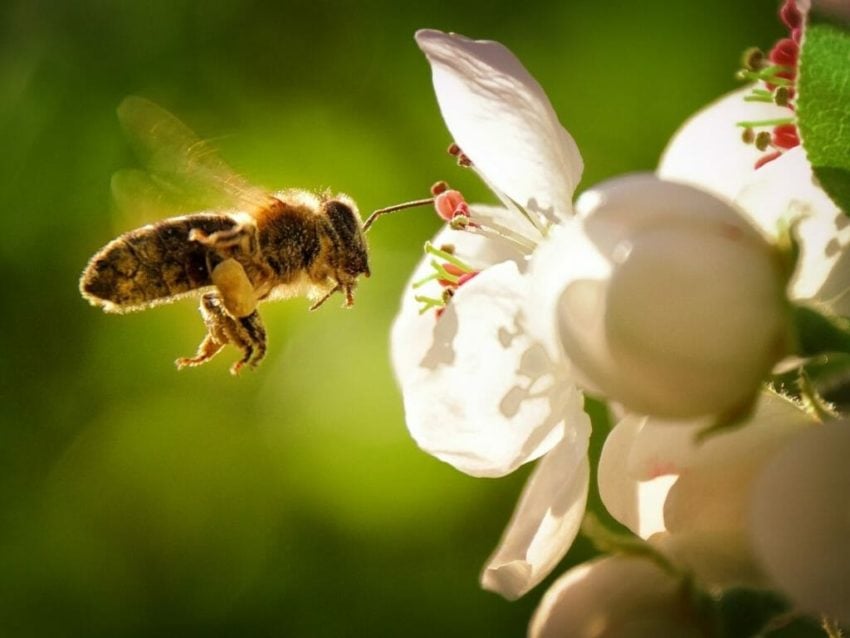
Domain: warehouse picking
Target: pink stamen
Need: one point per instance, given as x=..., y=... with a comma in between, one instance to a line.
x=450, y=203
x=790, y=15
x=764, y=159
x=785, y=52
x=785, y=136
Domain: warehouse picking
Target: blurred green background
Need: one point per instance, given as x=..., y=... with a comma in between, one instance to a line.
x=140, y=501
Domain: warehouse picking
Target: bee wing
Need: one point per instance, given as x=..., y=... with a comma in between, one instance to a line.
x=180, y=166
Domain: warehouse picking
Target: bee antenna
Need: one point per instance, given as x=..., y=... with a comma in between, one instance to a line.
x=393, y=209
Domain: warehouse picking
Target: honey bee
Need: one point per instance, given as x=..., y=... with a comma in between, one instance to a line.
x=254, y=246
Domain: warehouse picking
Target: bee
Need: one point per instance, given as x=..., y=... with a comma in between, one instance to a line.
x=253, y=246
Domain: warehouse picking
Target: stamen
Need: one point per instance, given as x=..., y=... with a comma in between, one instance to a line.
x=439, y=187
x=748, y=136
x=430, y=249
x=759, y=123
x=762, y=140
x=753, y=59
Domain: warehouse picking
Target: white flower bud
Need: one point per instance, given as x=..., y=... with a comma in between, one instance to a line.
x=801, y=520
x=620, y=596
x=683, y=312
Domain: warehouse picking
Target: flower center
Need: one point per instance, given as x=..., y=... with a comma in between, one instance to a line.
x=778, y=72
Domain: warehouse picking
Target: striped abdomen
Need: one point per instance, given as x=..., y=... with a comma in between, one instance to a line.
x=150, y=265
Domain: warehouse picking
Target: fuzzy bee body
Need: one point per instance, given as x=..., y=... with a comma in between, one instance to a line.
x=269, y=246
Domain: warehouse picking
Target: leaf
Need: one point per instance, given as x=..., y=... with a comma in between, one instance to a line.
x=823, y=115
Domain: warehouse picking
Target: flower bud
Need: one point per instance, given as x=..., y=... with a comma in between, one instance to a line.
x=801, y=520
x=622, y=597
x=685, y=313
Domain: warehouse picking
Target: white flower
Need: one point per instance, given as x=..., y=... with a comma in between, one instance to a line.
x=707, y=153
x=617, y=597
x=800, y=520
x=485, y=389
x=692, y=498
x=668, y=300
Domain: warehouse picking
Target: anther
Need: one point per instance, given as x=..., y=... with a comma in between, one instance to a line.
x=785, y=136
x=748, y=136
x=790, y=14
x=762, y=140
x=459, y=222
x=753, y=59
x=439, y=187
x=463, y=160
x=448, y=202
x=781, y=96
x=448, y=248
x=453, y=150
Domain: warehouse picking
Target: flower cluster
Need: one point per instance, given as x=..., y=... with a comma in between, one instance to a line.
x=675, y=296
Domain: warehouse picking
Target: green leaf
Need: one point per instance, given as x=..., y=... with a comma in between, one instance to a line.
x=746, y=612
x=823, y=105
x=820, y=333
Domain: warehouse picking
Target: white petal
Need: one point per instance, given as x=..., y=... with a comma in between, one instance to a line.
x=637, y=504
x=616, y=597
x=479, y=392
x=546, y=520
x=568, y=257
x=502, y=119
x=785, y=189
x=801, y=520
x=707, y=151
x=414, y=334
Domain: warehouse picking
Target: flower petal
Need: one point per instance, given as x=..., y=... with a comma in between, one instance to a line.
x=479, y=391
x=636, y=503
x=616, y=597
x=546, y=520
x=707, y=152
x=501, y=118
x=417, y=331
x=786, y=189
x=801, y=520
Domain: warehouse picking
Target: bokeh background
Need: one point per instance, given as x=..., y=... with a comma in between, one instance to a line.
x=139, y=501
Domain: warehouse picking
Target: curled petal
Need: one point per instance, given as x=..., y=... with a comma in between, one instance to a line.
x=502, y=120
x=785, y=190
x=707, y=152
x=617, y=597
x=637, y=503
x=479, y=391
x=547, y=518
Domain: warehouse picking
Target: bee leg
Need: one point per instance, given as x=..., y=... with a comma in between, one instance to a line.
x=242, y=236
x=246, y=333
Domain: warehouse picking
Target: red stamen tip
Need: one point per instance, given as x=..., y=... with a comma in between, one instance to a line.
x=764, y=159
x=790, y=14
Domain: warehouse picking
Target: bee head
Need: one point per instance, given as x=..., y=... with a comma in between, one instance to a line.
x=352, y=258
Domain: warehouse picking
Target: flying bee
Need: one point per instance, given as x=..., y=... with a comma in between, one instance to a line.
x=252, y=246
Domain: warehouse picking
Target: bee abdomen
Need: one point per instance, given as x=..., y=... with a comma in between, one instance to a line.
x=151, y=265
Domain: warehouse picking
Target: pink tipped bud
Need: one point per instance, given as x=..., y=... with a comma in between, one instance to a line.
x=447, y=203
